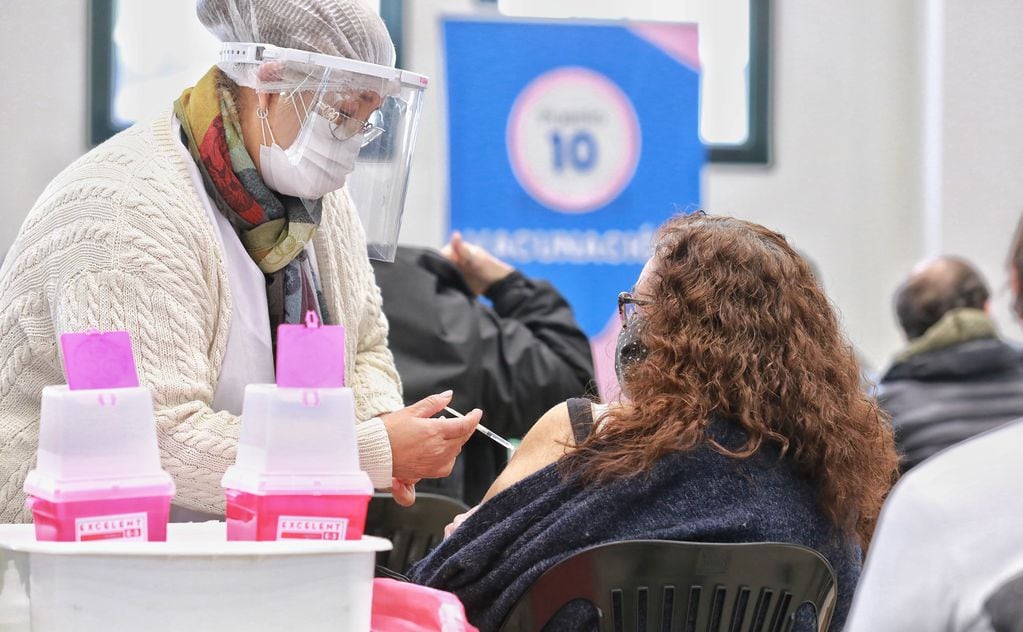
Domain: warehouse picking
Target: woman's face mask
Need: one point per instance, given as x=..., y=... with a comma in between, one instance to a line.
x=629, y=348
x=324, y=164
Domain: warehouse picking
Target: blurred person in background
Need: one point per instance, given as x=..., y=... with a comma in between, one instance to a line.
x=514, y=360
x=203, y=229
x=956, y=377
x=742, y=420
x=948, y=551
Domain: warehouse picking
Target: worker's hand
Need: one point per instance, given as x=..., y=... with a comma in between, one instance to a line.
x=423, y=447
x=480, y=268
x=404, y=492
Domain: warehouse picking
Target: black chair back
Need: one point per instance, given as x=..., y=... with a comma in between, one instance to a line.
x=662, y=586
x=413, y=531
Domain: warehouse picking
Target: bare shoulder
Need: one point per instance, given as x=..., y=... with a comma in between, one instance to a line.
x=548, y=440
x=553, y=426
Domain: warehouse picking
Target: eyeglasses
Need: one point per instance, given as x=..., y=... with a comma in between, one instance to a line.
x=343, y=126
x=627, y=306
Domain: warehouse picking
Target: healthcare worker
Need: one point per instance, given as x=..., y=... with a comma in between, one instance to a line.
x=201, y=230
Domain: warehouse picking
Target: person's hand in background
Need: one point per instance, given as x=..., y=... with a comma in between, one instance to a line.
x=480, y=268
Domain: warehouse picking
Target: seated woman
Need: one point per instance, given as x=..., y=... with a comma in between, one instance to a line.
x=742, y=420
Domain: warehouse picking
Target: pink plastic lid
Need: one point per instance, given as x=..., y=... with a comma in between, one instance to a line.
x=95, y=360
x=311, y=355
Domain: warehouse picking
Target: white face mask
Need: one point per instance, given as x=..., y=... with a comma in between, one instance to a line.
x=324, y=164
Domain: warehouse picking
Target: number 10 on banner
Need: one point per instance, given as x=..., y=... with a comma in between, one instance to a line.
x=578, y=152
x=573, y=139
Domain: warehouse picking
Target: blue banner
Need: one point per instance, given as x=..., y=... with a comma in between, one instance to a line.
x=569, y=144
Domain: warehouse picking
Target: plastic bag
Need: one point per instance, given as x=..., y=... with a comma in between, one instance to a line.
x=404, y=607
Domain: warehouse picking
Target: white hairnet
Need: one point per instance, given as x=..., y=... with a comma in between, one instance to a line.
x=342, y=28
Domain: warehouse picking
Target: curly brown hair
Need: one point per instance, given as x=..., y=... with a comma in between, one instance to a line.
x=738, y=328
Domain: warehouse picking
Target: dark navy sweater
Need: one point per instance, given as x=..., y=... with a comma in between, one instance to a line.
x=697, y=496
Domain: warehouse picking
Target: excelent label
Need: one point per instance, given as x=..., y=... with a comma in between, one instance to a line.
x=133, y=526
x=311, y=528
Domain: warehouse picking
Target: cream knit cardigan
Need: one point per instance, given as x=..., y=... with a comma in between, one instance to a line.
x=120, y=241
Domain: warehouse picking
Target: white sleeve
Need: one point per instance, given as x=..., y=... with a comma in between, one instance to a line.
x=909, y=577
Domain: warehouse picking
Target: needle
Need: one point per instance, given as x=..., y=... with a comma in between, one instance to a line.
x=484, y=430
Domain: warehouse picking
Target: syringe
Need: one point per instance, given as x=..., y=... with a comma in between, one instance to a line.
x=483, y=429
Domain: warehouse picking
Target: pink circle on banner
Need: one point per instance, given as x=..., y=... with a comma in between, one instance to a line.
x=555, y=110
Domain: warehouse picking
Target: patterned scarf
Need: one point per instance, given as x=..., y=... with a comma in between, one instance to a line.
x=273, y=228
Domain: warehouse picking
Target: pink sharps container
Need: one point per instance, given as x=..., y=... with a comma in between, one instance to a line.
x=297, y=476
x=297, y=473
x=98, y=474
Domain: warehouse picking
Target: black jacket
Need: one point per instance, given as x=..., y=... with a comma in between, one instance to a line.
x=513, y=362
x=942, y=397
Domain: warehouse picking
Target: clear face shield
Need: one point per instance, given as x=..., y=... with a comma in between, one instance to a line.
x=329, y=121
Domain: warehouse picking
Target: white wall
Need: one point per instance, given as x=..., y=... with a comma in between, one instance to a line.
x=844, y=183
x=981, y=136
x=43, y=111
